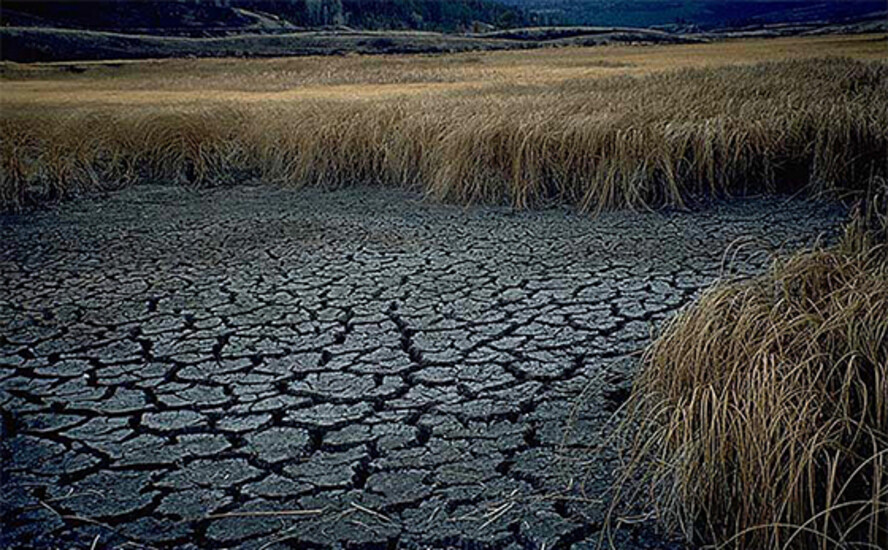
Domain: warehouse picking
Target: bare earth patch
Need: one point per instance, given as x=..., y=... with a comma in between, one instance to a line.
x=224, y=368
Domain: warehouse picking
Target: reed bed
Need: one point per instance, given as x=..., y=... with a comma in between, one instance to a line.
x=608, y=142
x=760, y=417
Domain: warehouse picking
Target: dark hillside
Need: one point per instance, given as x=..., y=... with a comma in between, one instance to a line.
x=127, y=29
x=207, y=18
x=26, y=45
x=702, y=13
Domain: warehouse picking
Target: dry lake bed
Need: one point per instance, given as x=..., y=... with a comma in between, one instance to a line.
x=361, y=368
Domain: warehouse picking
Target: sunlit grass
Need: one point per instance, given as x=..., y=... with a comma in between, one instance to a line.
x=597, y=128
x=760, y=417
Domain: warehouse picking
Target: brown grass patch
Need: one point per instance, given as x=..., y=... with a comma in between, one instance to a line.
x=601, y=128
x=760, y=416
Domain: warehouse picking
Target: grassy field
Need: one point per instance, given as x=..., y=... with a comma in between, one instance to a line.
x=598, y=127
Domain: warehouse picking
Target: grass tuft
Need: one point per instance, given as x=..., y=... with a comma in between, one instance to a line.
x=760, y=415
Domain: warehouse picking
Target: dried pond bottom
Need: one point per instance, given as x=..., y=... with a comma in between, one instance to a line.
x=179, y=365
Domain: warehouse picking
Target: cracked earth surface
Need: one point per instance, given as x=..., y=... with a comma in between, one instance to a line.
x=177, y=366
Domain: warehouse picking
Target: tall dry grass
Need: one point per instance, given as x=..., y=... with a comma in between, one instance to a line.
x=760, y=416
x=660, y=139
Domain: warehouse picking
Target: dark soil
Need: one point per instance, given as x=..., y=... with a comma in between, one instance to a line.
x=417, y=375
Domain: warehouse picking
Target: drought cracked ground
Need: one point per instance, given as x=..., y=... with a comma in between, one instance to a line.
x=403, y=371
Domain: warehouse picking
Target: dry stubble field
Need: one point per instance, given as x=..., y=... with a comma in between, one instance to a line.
x=598, y=127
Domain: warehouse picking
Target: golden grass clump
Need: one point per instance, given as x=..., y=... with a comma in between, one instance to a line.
x=47, y=158
x=760, y=416
x=630, y=140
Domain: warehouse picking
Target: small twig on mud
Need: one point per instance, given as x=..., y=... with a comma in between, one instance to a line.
x=364, y=525
x=433, y=514
x=74, y=517
x=283, y=535
x=466, y=516
x=95, y=543
x=343, y=514
x=493, y=509
x=268, y=513
x=271, y=543
x=83, y=519
x=631, y=520
x=374, y=513
x=497, y=513
x=338, y=518
x=72, y=494
x=569, y=498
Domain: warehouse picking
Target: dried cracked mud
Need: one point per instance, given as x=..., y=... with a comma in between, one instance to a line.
x=357, y=368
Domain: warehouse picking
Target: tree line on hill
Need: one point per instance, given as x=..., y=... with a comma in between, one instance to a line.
x=195, y=16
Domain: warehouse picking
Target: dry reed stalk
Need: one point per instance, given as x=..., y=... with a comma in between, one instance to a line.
x=760, y=415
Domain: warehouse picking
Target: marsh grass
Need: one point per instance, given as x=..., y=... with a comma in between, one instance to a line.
x=607, y=142
x=760, y=416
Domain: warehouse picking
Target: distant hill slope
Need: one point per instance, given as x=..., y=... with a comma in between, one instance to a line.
x=215, y=17
x=76, y=30
x=36, y=44
x=205, y=18
x=702, y=13
x=30, y=44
